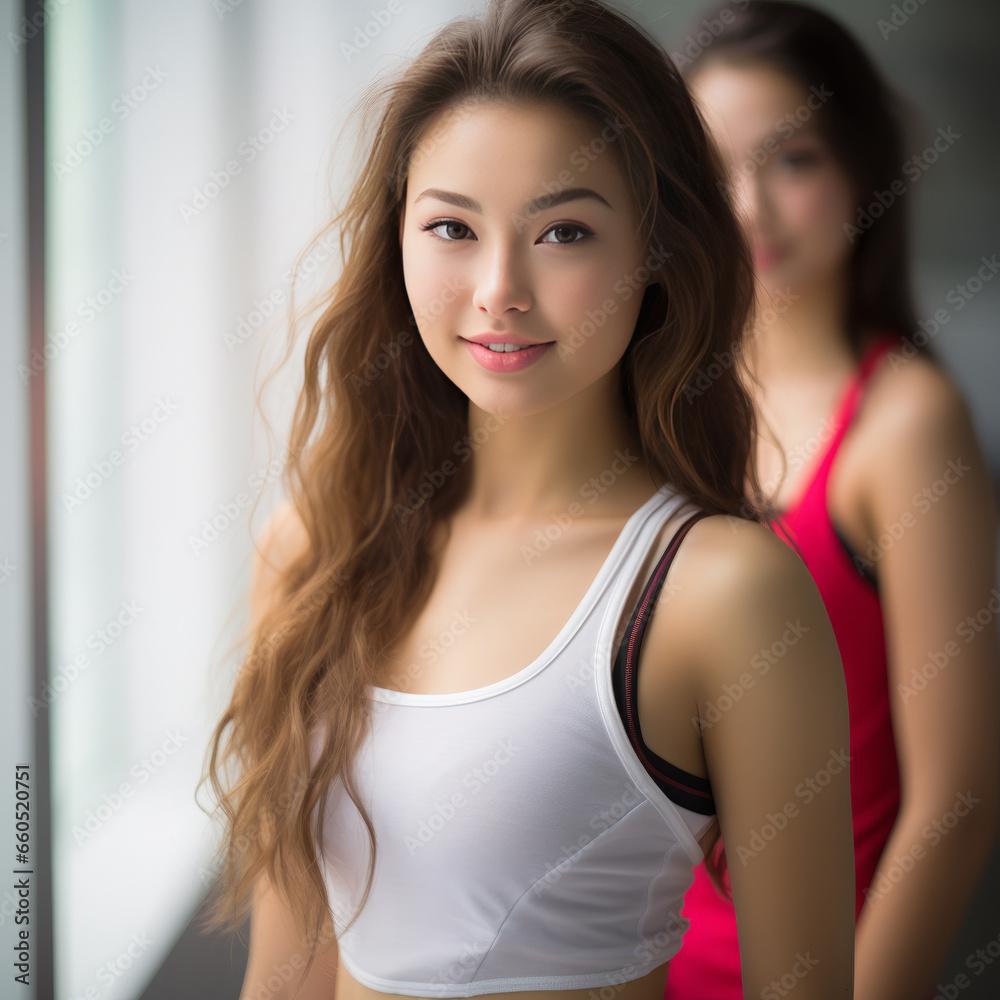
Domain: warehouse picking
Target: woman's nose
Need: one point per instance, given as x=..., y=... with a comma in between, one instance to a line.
x=503, y=283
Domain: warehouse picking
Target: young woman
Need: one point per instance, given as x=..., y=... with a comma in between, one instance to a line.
x=471, y=760
x=881, y=488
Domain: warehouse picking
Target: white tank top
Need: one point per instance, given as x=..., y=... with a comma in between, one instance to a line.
x=521, y=845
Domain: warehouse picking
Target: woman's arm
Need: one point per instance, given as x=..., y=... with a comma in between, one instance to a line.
x=278, y=953
x=936, y=580
x=757, y=642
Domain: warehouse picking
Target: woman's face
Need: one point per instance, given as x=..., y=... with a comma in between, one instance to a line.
x=479, y=259
x=795, y=199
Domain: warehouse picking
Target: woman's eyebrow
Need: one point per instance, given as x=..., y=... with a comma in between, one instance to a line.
x=535, y=205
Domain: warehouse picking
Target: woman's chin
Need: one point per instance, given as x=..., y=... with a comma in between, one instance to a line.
x=783, y=277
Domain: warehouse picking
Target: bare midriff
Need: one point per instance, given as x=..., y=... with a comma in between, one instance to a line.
x=648, y=987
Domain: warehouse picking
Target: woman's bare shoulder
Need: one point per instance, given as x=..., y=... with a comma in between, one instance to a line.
x=724, y=555
x=738, y=589
x=913, y=423
x=906, y=395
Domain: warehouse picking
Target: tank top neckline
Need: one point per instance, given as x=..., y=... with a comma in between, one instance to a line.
x=586, y=605
x=841, y=415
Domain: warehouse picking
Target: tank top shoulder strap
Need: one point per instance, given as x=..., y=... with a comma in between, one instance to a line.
x=844, y=413
x=849, y=400
x=682, y=787
x=873, y=353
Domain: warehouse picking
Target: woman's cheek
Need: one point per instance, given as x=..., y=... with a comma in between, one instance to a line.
x=608, y=288
x=600, y=317
x=586, y=302
x=818, y=214
x=426, y=281
x=824, y=205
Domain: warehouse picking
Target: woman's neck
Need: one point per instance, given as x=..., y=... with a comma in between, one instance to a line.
x=583, y=451
x=800, y=334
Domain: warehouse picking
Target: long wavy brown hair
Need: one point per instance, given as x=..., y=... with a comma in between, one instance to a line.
x=376, y=415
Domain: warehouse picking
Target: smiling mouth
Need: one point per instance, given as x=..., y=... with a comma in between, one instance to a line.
x=503, y=347
x=769, y=255
x=511, y=348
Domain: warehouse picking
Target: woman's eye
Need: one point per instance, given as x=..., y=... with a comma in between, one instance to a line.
x=570, y=228
x=431, y=226
x=566, y=233
x=799, y=159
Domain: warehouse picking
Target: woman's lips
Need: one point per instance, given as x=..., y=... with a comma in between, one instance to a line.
x=765, y=257
x=507, y=361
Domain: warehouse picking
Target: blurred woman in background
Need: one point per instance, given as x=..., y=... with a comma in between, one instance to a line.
x=876, y=479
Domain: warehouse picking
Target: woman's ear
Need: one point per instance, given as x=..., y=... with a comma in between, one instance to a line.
x=656, y=262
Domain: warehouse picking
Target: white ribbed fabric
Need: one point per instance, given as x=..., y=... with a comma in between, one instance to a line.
x=520, y=843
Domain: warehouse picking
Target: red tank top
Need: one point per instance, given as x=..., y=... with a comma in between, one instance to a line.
x=708, y=965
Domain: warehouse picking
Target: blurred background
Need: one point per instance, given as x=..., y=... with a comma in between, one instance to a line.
x=161, y=167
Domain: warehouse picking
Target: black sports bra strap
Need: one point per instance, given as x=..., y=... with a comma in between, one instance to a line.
x=659, y=574
x=682, y=787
